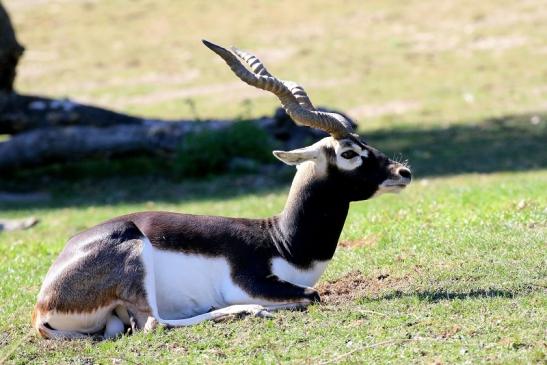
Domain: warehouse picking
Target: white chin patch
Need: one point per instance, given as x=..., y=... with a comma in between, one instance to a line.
x=389, y=186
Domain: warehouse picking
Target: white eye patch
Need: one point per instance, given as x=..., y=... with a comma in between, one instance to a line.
x=351, y=163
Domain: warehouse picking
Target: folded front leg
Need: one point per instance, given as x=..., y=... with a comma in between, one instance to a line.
x=270, y=291
x=216, y=315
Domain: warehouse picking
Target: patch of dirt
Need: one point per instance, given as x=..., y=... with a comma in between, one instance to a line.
x=5, y=339
x=505, y=18
x=367, y=241
x=355, y=285
x=433, y=43
x=451, y=332
x=28, y=4
x=498, y=43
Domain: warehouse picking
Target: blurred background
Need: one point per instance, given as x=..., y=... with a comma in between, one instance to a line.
x=453, y=86
x=386, y=63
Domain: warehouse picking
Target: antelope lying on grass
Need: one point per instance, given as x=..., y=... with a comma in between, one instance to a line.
x=176, y=269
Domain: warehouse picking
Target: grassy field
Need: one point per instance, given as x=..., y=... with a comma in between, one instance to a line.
x=453, y=270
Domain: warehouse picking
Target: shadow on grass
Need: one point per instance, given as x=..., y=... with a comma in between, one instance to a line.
x=441, y=295
x=355, y=286
x=510, y=143
x=55, y=192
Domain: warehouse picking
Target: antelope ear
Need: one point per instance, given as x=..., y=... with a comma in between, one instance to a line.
x=298, y=156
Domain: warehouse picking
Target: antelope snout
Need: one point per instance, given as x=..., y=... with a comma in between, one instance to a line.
x=404, y=173
x=399, y=178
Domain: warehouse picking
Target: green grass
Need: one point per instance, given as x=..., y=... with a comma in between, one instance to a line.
x=463, y=255
x=456, y=265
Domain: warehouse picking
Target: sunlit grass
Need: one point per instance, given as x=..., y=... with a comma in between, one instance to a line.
x=466, y=255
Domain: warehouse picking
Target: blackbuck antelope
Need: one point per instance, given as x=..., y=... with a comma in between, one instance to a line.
x=150, y=268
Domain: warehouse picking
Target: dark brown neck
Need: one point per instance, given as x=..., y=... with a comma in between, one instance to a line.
x=309, y=227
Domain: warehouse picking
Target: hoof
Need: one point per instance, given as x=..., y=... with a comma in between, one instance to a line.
x=150, y=325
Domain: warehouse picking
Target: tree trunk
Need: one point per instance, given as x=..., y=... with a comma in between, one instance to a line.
x=10, y=52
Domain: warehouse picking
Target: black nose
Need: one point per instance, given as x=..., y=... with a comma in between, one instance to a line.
x=404, y=172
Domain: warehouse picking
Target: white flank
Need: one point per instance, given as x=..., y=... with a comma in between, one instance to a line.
x=186, y=285
x=114, y=327
x=182, y=288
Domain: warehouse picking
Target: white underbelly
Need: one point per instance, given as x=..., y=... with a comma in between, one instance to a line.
x=185, y=285
x=190, y=284
x=84, y=322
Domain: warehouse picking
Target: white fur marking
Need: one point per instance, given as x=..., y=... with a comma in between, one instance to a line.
x=114, y=327
x=389, y=186
x=187, y=285
x=182, y=288
x=311, y=154
x=352, y=163
x=288, y=272
x=181, y=285
x=84, y=322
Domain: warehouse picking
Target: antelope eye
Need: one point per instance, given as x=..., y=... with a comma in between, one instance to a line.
x=349, y=154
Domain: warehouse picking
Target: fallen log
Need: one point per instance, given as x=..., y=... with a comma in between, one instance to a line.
x=21, y=113
x=42, y=146
x=67, y=144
